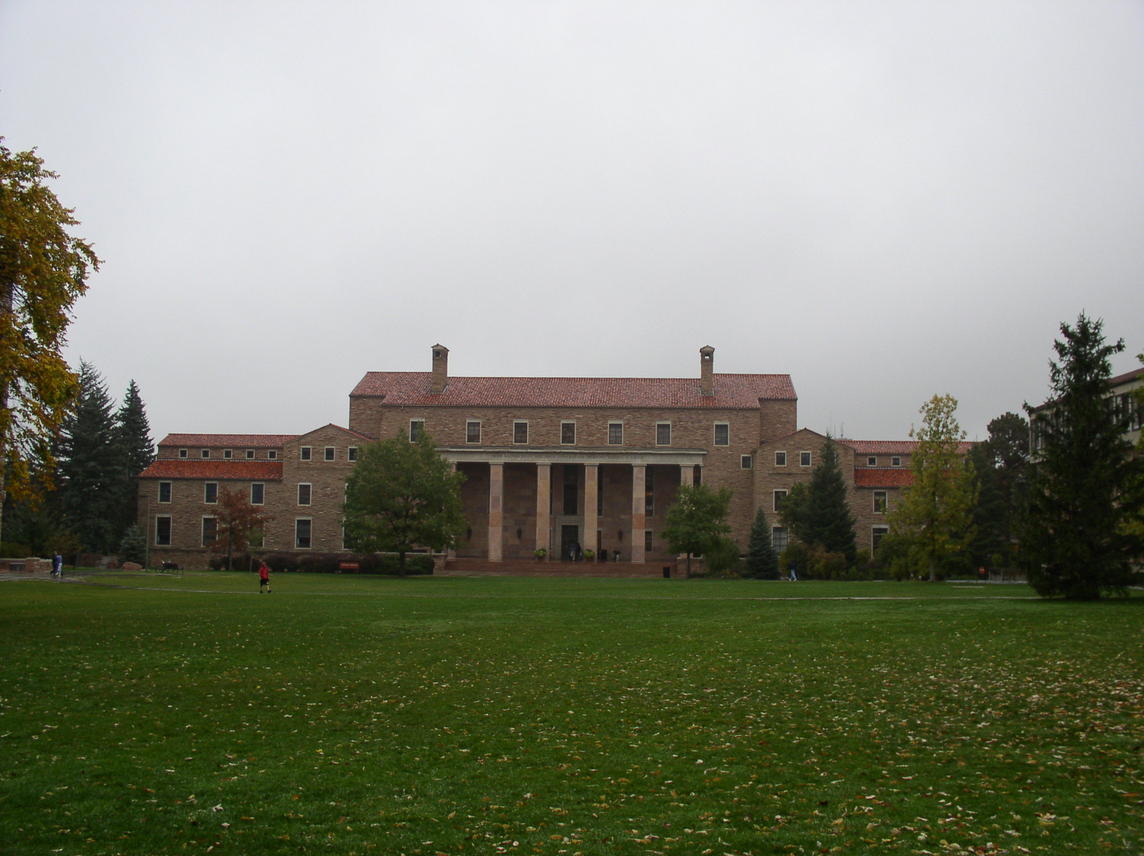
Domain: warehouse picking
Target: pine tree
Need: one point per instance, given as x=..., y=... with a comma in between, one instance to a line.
x=935, y=516
x=762, y=563
x=134, y=449
x=1087, y=484
x=818, y=512
x=1001, y=465
x=90, y=474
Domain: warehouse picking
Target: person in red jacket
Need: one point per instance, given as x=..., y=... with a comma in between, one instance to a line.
x=263, y=578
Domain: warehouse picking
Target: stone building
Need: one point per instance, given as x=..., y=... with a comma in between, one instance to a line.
x=564, y=464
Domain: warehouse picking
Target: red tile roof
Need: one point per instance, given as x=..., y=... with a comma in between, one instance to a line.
x=893, y=447
x=732, y=391
x=874, y=477
x=220, y=441
x=181, y=468
x=1126, y=377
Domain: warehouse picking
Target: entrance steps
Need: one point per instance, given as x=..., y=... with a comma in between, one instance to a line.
x=532, y=568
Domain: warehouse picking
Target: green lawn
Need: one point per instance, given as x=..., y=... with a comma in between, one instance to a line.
x=150, y=714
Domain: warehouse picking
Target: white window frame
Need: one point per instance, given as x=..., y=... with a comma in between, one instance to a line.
x=227, y=454
x=885, y=501
x=206, y=493
x=184, y=453
x=204, y=453
x=250, y=454
x=310, y=533
x=516, y=425
x=272, y=454
x=309, y=494
x=871, y=460
x=351, y=454
x=746, y=462
x=658, y=426
x=619, y=433
x=330, y=453
x=469, y=423
x=203, y=530
x=170, y=493
x=775, y=494
x=305, y=453
x=805, y=458
x=726, y=426
x=780, y=459
x=170, y=530
x=262, y=487
x=896, y=461
x=567, y=423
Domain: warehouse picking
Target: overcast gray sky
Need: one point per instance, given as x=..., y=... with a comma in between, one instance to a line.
x=886, y=200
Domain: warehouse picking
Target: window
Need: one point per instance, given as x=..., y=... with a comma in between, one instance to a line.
x=163, y=530
x=871, y=461
x=615, y=433
x=746, y=462
x=329, y=453
x=351, y=454
x=804, y=459
x=663, y=433
x=779, y=499
x=210, y=493
x=272, y=455
x=472, y=431
x=302, y=533
x=304, y=491
x=204, y=453
x=257, y=493
x=568, y=433
x=879, y=502
x=647, y=540
x=877, y=533
x=416, y=429
x=780, y=459
x=227, y=454
x=305, y=453
x=164, y=491
x=210, y=531
x=520, y=431
x=722, y=434
x=780, y=538
x=571, y=489
x=250, y=454
x=895, y=461
x=182, y=453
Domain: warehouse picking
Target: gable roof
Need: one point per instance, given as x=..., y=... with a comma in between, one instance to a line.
x=356, y=435
x=731, y=391
x=219, y=441
x=183, y=468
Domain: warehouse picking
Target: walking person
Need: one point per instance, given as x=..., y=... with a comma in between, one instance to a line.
x=58, y=566
x=263, y=578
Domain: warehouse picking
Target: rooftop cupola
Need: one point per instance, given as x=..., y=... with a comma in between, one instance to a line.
x=440, y=369
x=707, y=370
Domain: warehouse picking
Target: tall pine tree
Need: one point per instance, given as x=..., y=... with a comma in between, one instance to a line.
x=762, y=563
x=134, y=449
x=818, y=512
x=1087, y=485
x=90, y=474
x=1001, y=465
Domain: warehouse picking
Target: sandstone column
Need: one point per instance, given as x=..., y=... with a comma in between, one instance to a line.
x=639, y=510
x=591, y=486
x=496, y=511
x=543, y=504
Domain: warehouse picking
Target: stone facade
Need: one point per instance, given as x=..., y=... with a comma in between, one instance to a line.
x=564, y=464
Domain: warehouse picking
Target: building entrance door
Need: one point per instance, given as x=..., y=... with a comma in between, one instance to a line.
x=569, y=542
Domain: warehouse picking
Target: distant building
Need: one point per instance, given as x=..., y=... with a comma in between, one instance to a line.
x=567, y=464
x=1122, y=399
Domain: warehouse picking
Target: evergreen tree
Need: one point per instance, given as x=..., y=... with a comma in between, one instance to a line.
x=935, y=516
x=133, y=545
x=818, y=512
x=1001, y=466
x=762, y=563
x=135, y=450
x=1086, y=485
x=90, y=474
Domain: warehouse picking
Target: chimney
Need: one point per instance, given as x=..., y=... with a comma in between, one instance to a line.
x=707, y=370
x=440, y=369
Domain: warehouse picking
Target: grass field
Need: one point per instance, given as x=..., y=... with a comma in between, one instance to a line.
x=145, y=714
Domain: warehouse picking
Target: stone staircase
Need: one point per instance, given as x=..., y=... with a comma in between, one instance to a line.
x=531, y=568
